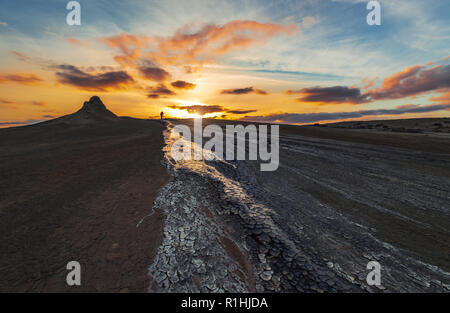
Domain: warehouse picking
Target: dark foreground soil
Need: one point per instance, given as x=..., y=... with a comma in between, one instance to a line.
x=425, y=141
x=78, y=192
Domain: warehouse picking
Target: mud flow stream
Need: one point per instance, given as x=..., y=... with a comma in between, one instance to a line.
x=231, y=228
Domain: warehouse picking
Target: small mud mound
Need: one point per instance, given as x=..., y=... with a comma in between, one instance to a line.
x=93, y=111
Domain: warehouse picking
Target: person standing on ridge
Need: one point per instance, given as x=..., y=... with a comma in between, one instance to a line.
x=162, y=114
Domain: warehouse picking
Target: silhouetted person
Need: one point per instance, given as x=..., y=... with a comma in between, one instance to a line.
x=162, y=115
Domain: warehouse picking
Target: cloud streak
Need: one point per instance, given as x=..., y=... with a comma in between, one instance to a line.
x=444, y=98
x=199, y=109
x=76, y=42
x=207, y=109
x=21, y=78
x=237, y=112
x=39, y=103
x=5, y=101
x=243, y=91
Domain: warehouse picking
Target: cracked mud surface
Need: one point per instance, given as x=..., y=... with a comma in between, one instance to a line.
x=311, y=226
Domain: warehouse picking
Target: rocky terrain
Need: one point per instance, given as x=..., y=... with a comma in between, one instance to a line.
x=313, y=225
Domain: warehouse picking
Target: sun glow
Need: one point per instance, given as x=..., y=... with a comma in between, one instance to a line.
x=182, y=113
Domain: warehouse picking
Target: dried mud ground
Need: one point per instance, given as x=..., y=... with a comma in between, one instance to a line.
x=80, y=193
x=109, y=195
x=339, y=199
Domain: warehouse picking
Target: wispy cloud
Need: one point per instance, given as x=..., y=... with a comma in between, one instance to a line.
x=39, y=103
x=76, y=42
x=21, y=56
x=20, y=78
x=304, y=75
x=194, y=47
x=5, y=101
x=444, y=98
x=199, y=109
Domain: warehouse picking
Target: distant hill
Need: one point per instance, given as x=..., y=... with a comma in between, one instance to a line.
x=92, y=111
x=413, y=125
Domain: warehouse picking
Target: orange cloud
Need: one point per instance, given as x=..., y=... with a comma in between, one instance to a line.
x=211, y=41
x=395, y=79
x=368, y=83
x=149, y=57
x=126, y=41
x=21, y=56
x=21, y=78
x=413, y=81
x=444, y=98
x=188, y=48
x=76, y=42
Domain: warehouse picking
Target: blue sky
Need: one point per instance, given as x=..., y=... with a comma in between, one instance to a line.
x=333, y=46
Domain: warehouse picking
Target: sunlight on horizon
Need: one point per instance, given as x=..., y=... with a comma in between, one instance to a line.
x=184, y=112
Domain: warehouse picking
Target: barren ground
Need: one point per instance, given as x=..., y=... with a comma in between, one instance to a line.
x=97, y=193
x=77, y=192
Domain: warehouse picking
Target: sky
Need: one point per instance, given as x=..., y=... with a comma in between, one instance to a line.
x=284, y=61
